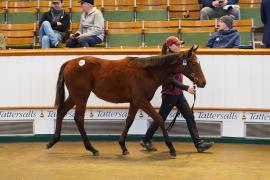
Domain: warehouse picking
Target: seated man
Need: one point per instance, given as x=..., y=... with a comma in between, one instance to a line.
x=226, y=37
x=53, y=26
x=217, y=8
x=91, y=29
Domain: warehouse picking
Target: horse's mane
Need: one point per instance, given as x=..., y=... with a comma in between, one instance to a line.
x=153, y=61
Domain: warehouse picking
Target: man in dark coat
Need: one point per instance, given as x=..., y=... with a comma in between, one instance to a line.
x=53, y=26
x=226, y=37
x=265, y=15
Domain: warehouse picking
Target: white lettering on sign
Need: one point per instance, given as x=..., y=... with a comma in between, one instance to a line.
x=52, y=114
x=112, y=114
x=217, y=116
x=17, y=114
x=259, y=116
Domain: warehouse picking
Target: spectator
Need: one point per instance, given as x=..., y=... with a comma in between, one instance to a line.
x=218, y=8
x=53, y=26
x=226, y=37
x=265, y=16
x=91, y=29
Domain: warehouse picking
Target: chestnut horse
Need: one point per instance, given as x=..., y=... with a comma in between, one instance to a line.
x=129, y=80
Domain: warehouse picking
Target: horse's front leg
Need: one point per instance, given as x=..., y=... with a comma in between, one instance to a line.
x=131, y=115
x=149, y=109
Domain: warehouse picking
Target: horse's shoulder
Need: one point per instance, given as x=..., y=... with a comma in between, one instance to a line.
x=137, y=62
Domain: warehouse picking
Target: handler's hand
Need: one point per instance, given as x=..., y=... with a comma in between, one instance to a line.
x=191, y=90
x=224, y=3
x=71, y=36
x=215, y=3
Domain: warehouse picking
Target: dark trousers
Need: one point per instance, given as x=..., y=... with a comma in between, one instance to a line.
x=168, y=102
x=87, y=41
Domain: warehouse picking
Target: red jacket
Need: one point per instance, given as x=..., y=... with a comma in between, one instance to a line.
x=170, y=89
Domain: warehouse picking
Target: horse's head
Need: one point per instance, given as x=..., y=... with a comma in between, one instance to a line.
x=191, y=67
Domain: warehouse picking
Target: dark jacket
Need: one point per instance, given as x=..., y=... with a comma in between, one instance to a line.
x=64, y=19
x=224, y=39
x=208, y=3
x=265, y=16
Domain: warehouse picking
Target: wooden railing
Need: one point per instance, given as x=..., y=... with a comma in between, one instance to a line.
x=126, y=51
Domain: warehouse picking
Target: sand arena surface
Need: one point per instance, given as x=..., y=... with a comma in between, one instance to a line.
x=69, y=160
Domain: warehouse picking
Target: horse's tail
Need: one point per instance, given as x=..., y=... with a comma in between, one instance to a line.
x=60, y=88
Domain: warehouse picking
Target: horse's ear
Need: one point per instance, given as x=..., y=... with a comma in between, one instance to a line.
x=189, y=53
x=195, y=48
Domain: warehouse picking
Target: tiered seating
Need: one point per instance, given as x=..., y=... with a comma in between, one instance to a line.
x=184, y=9
x=118, y=10
x=135, y=23
x=123, y=10
x=76, y=11
x=251, y=9
x=2, y=12
x=151, y=10
x=246, y=29
x=21, y=12
x=123, y=34
x=155, y=32
x=19, y=35
x=197, y=32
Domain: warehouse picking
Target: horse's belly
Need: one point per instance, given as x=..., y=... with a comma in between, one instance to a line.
x=111, y=97
x=114, y=90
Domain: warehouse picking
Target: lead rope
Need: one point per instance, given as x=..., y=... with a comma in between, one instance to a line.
x=194, y=96
x=178, y=112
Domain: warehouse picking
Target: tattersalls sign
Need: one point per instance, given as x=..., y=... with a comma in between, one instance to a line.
x=121, y=114
x=233, y=122
x=17, y=114
x=259, y=116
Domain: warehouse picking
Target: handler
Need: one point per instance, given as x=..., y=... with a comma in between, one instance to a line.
x=172, y=95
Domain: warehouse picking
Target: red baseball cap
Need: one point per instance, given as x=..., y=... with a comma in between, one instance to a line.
x=173, y=40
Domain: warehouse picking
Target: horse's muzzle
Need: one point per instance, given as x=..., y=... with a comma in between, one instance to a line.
x=201, y=85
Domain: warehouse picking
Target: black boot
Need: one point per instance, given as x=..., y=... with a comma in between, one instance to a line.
x=204, y=146
x=148, y=145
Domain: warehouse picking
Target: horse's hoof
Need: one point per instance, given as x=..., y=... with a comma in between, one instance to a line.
x=173, y=154
x=96, y=153
x=48, y=146
x=125, y=152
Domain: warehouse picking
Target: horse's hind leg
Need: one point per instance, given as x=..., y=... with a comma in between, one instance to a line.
x=79, y=119
x=148, y=108
x=131, y=115
x=61, y=112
